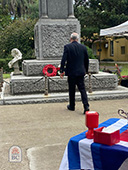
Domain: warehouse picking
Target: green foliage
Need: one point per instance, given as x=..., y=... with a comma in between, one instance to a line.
x=19, y=34
x=98, y=14
x=4, y=17
x=33, y=11
x=90, y=53
x=4, y=63
x=19, y=8
x=6, y=76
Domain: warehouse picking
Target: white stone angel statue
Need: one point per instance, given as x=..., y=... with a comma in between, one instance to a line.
x=14, y=62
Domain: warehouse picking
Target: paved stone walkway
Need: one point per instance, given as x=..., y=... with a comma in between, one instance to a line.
x=42, y=131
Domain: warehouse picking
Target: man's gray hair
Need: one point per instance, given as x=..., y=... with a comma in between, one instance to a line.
x=74, y=36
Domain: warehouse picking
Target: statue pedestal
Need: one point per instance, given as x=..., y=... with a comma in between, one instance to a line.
x=30, y=84
x=35, y=67
x=51, y=35
x=32, y=80
x=16, y=69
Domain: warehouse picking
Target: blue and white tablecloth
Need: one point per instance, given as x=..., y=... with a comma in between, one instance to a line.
x=83, y=153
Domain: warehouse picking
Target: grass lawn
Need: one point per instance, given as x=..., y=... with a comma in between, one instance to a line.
x=124, y=70
x=6, y=76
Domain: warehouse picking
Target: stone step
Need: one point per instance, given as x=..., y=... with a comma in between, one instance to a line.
x=20, y=84
x=35, y=67
x=7, y=99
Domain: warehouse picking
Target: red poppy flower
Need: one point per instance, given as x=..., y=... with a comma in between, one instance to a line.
x=49, y=70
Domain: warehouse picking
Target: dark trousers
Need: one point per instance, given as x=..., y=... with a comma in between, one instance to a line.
x=79, y=81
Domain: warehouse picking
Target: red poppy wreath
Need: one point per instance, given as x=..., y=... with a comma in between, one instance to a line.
x=49, y=70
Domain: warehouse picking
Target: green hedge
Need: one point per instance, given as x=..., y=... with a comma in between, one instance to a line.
x=4, y=63
x=90, y=53
x=19, y=34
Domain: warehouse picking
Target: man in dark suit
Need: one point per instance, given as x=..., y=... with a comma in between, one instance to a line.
x=75, y=63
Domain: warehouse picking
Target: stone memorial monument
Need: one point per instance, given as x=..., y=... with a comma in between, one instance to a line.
x=52, y=31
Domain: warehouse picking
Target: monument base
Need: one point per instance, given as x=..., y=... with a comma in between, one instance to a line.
x=35, y=67
x=29, y=85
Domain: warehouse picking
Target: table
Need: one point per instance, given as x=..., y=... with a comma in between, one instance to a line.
x=83, y=153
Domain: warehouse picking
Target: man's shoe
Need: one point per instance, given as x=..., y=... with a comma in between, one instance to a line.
x=70, y=108
x=87, y=109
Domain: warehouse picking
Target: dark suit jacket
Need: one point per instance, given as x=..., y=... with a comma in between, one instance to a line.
x=75, y=58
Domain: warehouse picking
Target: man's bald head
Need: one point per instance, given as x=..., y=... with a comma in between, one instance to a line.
x=74, y=36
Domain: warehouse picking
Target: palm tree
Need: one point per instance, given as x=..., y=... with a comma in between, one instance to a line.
x=17, y=7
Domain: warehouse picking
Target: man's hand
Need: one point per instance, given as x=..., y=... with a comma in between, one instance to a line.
x=61, y=75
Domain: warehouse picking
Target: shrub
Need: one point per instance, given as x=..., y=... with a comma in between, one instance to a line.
x=19, y=34
x=4, y=63
x=90, y=53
